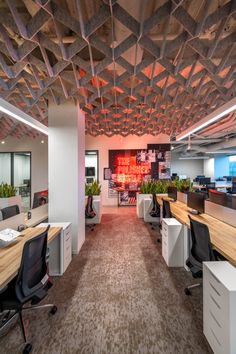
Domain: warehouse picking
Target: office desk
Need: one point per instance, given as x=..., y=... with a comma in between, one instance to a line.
x=218, y=185
x=10, y=257
x=223, y=236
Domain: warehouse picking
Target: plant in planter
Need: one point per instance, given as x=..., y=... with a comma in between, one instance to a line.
x=7, y=191
x=93, y=188
x=183, y=185
x=8, y=196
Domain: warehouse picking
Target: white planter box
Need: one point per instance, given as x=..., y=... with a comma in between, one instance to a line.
x=147, y=209
x=97, y=205
x=182, y=197
x=6, y=202
x=140, y=202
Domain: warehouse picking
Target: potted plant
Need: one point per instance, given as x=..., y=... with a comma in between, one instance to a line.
x=183, y=187
x=94, y=189
x=8, y=196
x=146, y=190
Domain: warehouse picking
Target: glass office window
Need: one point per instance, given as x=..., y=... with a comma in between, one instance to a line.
x=232, y=165
x=15, y=169
x=21, y=176
x=91, y=166
x=5, y=168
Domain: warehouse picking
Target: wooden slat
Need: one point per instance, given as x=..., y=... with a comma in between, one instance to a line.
x=223, y=236
x=10, y=257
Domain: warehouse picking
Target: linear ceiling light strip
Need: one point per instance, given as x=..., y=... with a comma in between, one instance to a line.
x=16, y=113
x=211, y=118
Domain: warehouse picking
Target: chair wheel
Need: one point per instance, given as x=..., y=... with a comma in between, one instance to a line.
x=53, y=310
x=153, y=228
x=27, y=348
x=159, y=240
x=187, y=292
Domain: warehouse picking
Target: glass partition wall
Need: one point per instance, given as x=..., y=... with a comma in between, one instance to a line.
x=15, y=169
x=91, y=166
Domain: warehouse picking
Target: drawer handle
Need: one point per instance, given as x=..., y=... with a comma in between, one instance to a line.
x=217, y=292
x=218, y=324
x=215, y=337
x=215, y=302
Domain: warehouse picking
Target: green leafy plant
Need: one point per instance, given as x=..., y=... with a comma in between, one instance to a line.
x=7, y=191
x=93, y=188
x=161, y=187
x=154, y=187
x=183, y=185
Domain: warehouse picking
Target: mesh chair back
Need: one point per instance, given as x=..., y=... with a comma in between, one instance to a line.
x=156, y=211
x=32, y=275
x=10, y=211
x=166, y=209
x=201, y=248
x=89, y=211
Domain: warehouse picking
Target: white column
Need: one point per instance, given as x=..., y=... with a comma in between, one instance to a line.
x=66, y=151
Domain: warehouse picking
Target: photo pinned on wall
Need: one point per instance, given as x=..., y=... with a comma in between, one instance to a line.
x=107, y=174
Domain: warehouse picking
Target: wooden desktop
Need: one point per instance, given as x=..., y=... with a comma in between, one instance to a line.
x=10, y=257
x=223, y=236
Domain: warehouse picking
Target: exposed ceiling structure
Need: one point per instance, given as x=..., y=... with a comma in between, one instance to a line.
x=135, y=67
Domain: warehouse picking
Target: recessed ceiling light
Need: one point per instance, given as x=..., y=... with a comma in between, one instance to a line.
x=42, y=141
x=2, y=142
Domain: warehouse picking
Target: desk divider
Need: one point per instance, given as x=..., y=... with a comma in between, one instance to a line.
x=220, y=212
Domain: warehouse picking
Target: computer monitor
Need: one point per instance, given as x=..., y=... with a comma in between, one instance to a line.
x=198, y=178
x=172, y=193
x=204, y=180
x=195, y=201
x=40, y=198
x=90, y=171
x=217, y=197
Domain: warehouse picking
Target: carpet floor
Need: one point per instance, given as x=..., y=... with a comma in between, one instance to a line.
x=117, y=297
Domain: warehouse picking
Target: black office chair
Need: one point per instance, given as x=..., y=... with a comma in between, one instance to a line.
x=90, y=212
x=166, y=209
x=155, y=211
x=30, y=285
x=166, y=212
x=10, y=211
x=201, y=251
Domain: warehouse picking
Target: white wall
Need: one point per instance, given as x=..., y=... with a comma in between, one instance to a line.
x=191, y=168
x=103, y=144
x=209, y=167
x=39, y=159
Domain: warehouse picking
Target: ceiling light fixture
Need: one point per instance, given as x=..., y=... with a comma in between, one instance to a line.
x=2, y=142
x=194, y=158
x=209, y=119
x=16, y=113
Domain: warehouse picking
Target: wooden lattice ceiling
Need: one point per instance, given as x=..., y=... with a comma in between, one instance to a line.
x=135, y=67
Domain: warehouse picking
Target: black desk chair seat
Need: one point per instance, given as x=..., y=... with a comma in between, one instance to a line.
x=31, y=285
x=201, y=251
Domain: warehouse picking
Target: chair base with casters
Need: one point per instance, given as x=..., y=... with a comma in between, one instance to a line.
x=91, y=227
x=187, y=290
x=11, y=309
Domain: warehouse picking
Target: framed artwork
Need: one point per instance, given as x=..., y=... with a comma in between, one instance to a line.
x=107, y=174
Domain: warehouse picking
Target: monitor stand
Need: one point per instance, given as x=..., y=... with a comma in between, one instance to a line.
x=194, y=212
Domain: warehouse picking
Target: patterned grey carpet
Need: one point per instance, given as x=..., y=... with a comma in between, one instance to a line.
x=117, y=297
